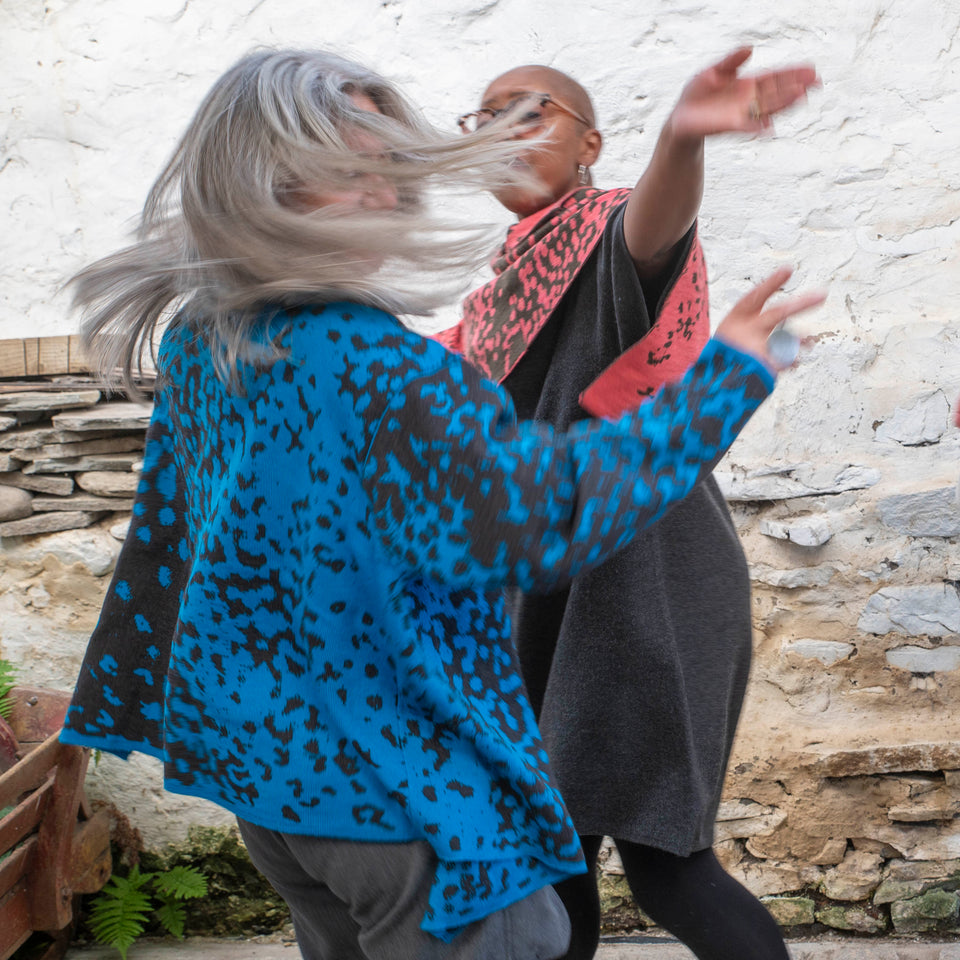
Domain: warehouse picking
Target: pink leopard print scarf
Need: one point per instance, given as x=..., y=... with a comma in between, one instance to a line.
x=539, y=259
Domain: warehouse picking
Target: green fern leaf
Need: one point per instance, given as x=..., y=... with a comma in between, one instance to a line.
x=181, y=883
x=173, y=916
x=135, y=879
x=8, y=680
x=119, y=915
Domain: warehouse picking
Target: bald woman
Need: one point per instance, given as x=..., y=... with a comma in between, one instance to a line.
x=637, y=670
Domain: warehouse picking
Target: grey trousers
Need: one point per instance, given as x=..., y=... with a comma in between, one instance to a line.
x=365, y=901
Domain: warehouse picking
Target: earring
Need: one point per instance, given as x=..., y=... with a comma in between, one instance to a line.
x=583, y=174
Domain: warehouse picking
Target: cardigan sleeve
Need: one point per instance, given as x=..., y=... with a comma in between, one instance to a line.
x=118, y=701
x=462, y=492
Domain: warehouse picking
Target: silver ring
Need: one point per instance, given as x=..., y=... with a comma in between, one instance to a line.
x=783, y=347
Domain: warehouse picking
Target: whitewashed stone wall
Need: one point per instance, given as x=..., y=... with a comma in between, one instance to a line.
x=844, y=486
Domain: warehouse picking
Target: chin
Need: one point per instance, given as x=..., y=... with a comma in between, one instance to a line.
x=522, y=202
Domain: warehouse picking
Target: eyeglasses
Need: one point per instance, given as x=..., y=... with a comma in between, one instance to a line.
x=528, y=109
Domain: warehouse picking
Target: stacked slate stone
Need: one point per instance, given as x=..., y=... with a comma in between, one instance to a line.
x=69, y=457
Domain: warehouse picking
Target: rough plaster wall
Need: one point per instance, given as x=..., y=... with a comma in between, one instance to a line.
x=845, y=480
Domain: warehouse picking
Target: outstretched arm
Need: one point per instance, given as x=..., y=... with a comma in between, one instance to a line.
x=464, y=494
x=666, y=199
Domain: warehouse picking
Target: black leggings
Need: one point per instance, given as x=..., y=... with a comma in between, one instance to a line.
x=692, y=897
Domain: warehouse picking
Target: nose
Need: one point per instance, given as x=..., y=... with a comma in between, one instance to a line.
x=379, y=193
x=526, y=132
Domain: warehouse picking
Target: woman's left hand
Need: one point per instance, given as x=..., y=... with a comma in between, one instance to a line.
x=718, y=100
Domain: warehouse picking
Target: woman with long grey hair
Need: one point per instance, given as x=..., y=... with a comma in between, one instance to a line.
x=304, y=624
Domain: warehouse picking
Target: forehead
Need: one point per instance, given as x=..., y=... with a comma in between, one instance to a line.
x=364, y=102
x=519, y=81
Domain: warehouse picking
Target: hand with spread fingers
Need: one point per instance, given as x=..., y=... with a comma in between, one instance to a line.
x=720, y=100
x=666, y=199
x=749, y=324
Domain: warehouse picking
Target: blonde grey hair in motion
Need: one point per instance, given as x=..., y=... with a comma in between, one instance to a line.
x=225, y=231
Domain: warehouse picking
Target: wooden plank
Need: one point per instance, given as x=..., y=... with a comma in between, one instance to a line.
x=31, y=356
x=78, y=361
x=51, y=898
x=15, y=928
x=37, y=713
x=16, y=866
x=90, y=861
x=53, y=355
x=42, y=875
x=31, y=771
x=17, y=825
x=12, y=362
x=42, y=356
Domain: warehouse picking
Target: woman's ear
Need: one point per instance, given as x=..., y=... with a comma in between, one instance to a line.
x=590, y=145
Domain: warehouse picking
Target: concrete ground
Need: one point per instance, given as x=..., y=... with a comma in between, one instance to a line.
x=627, y=948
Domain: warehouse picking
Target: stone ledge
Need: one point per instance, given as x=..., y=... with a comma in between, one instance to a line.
x=81, y=502
x=118, y=462
x=48, y=523
x=931, y=757
x=58, y=486
x=793, y=480
x=48, y=400
x=118, y=415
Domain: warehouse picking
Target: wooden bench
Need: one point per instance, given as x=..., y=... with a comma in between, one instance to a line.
x=52, y=846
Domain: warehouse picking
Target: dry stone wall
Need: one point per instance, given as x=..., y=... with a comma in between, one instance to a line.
x=841, y=803
x=844, y=790
x=66, y=462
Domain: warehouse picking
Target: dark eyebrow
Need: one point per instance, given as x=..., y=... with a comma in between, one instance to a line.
x=512, y=95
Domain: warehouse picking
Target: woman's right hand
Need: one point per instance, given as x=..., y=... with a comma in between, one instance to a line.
x=748, y=324
x=721, y=100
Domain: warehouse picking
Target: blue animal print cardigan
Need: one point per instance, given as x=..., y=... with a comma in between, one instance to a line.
x=305, y=621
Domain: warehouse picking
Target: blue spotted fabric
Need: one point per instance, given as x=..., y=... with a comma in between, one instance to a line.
x=305, y=622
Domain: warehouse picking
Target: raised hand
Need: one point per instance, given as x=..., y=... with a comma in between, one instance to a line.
x=719, y=100
x=748, y=324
